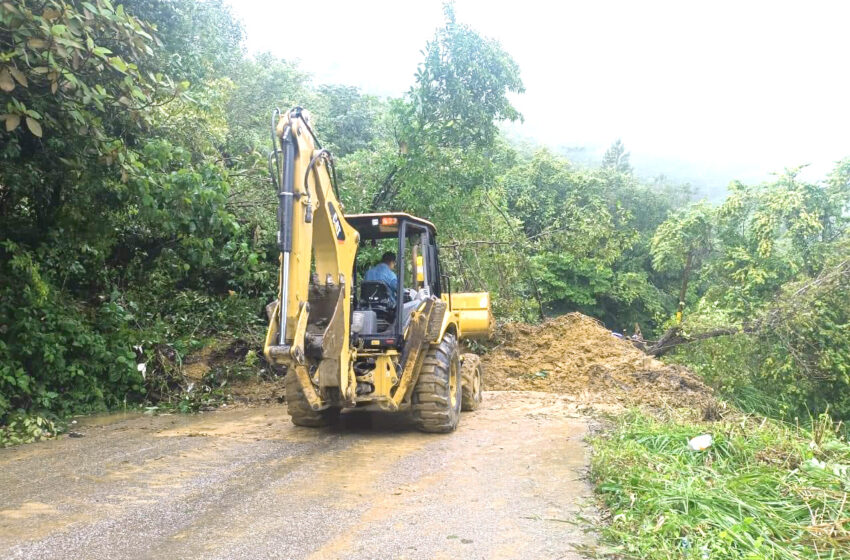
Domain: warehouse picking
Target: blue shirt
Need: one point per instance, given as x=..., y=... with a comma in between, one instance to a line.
x=381, y=272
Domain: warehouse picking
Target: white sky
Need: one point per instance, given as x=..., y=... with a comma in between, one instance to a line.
x=724, y=89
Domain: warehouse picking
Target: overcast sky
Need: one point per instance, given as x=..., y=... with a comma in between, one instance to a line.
x=722, y=89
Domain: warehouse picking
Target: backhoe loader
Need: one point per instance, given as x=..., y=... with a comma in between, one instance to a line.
x=350, y=344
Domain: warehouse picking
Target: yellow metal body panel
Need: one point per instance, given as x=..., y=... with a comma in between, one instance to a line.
x=416, y=341
x=309, y=390
x=297, y=348
x=385, y=375
x=471, y=313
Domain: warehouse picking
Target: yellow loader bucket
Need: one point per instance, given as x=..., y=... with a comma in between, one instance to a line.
x=473, y=313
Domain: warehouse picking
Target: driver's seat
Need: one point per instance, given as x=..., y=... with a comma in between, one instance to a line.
x=376, y=297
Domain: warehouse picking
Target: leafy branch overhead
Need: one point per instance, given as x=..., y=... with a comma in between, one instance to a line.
x=65, y=66
x=461, y=93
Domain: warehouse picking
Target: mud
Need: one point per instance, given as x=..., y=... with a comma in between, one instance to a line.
x=261, y=385
x=576, y=355
x=243, y=482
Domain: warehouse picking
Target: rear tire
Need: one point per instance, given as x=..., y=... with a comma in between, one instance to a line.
x=299, y=409
x=437, y=394
x=470, y=374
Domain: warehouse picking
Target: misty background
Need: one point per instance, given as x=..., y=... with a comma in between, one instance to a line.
x=701, y=92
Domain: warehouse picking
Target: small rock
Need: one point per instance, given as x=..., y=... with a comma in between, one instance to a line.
x=700, y=443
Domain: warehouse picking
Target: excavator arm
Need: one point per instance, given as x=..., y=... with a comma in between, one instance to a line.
x=309, y=328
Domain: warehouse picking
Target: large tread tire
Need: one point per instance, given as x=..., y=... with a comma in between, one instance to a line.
x=437, y=395
x=471, y=376
x=299, y=409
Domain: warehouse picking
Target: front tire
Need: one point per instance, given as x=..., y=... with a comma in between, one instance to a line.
x=299, y=409
x=437, y=394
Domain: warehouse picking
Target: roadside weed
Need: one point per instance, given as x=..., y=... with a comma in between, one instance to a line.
x=762, y=490
x=27, y=428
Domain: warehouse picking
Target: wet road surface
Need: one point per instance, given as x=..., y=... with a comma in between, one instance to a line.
x=245, y=483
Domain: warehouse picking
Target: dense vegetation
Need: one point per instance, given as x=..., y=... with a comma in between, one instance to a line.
x=136, y=220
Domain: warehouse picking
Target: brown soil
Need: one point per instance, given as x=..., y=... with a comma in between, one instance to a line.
x=264, y=386
x=573, y=354
x=257, y=390
x=576, y=355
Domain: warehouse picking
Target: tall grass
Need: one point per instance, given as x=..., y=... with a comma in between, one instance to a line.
x=762, y=490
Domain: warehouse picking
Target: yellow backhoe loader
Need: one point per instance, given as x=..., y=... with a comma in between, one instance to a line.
x=347, y=343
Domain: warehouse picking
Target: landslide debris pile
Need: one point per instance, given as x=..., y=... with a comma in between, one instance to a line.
x=575, y=354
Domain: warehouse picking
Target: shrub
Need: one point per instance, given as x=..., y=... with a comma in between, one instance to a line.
x=57, y=354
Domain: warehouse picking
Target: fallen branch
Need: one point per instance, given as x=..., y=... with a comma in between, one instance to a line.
x=774, y=320
x=675, y=337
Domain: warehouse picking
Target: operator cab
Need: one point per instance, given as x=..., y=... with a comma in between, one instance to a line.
x=379, y=317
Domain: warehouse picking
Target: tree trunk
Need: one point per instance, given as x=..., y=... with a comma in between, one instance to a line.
x=384, y=194
x=686, y=274
x=674, y=337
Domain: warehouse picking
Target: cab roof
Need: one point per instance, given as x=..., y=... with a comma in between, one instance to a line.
x=369, y=225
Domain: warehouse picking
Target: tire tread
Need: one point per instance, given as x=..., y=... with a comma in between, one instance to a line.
x=299, y=409
x=431, y=407
x=470, y=367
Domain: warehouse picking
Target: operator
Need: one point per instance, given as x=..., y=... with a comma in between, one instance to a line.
x=383, y=273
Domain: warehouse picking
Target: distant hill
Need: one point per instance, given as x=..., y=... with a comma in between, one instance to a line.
x=708, y=182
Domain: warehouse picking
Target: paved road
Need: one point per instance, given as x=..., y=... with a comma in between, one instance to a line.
x=245, y=483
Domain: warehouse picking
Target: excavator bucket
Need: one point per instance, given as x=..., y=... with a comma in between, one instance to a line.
x=473, y=312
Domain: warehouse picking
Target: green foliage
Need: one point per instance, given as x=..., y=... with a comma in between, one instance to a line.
x=53, y=49
x=445, y=129
x=115, y=196
x=82, y=92
x=777, y=232
x=762, y=490
x=798, y=359
x=57, y=355
x=349, y=119
x=687, y=232
x=198, y=40
x=462, y=88
x=682, y=242
x=617, y=158
x=23, y=428
x=586, y=232
x=780, y=270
